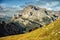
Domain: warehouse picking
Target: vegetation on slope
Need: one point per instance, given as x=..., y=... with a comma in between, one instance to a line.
x=50, y=32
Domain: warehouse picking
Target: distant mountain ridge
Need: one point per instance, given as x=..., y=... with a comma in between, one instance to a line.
x=4, y=18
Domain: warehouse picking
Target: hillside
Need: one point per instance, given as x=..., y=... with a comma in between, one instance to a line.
x=50, y=32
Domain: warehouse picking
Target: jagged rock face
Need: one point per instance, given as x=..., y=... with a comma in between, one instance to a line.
x=33, y=13
x=30, y=18
x=33, y=16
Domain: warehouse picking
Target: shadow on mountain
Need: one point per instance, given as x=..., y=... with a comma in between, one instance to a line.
x=7, y=29
x=13, y=28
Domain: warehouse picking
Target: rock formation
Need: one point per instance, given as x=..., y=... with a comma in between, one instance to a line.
x=32, y=16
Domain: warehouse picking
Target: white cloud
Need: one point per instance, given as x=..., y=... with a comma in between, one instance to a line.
x=57, y=8
x=2, y=14
x=50, y=5
x=54, y=3
x=49, y=8
x=17, y=6
x=10, y=10
x=3, y=5
x=37, y=0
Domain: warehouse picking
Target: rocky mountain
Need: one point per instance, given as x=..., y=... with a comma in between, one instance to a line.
x=33, y=17
x=30, y=18
x=50, y=32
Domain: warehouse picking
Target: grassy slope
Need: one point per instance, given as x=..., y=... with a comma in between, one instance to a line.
x=50, y=32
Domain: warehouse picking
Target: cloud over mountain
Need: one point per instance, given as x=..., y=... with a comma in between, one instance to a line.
x=11, y=7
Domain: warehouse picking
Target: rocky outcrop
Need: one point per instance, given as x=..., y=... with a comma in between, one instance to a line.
x=32, y=17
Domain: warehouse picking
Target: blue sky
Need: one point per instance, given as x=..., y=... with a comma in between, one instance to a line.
x=43, y=3
x=19, y=4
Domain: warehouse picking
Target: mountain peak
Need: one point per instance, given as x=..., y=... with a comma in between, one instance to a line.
x=33, y=16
